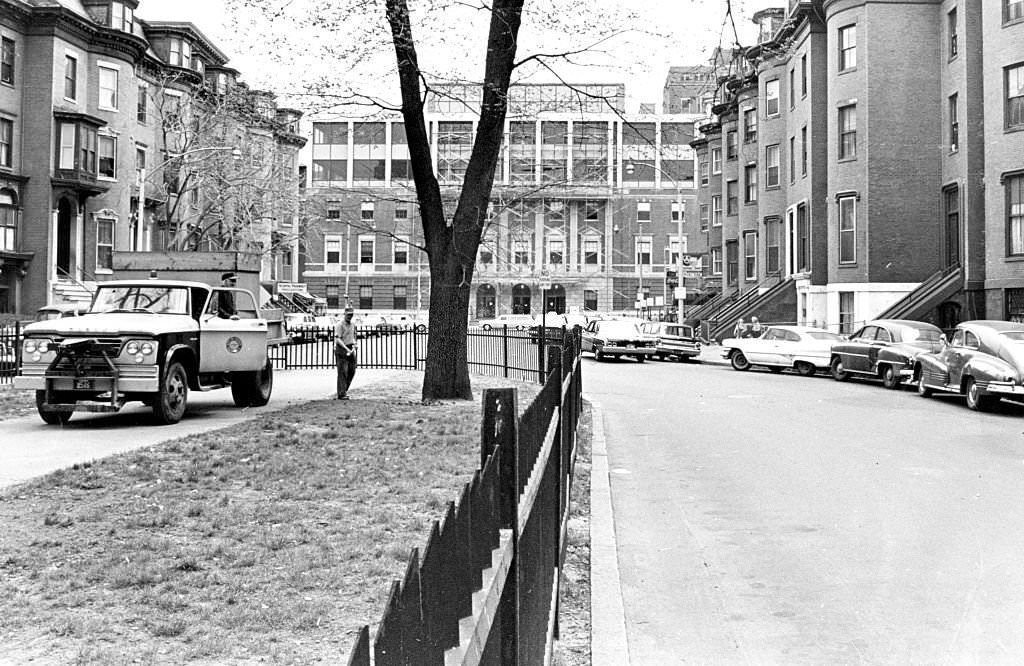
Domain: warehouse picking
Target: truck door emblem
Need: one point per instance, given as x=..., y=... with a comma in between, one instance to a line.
x=234, y=344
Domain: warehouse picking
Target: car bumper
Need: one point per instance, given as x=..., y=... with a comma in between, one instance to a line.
x=140, y=380
x=1005, y=388
x=627, y=350
x=680, y=350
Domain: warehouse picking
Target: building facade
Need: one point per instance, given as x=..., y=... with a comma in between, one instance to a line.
x=104, y=145
x=872, y=151
x=587, y=210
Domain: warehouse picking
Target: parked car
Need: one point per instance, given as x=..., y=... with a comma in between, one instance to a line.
x=613, y=338
x=324, y=326
x=300, y=327
x=519, y=322
x=802, y=348
x=61, y=310
x=983, y=361
x=556, y=324
x=884, y=349
x=674, y=340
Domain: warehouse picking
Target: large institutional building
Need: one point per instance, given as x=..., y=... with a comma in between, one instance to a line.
x=586, y=212
x=110, y=131
x=867, y=158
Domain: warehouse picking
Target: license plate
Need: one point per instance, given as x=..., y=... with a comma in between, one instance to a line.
x=83, y=383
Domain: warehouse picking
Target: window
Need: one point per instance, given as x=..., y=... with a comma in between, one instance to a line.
x=750, y=255
x=140, y=162
x=365, y=297
x=846, y=312
x=803, y=151
x=180, y=54
x=951, y=25
x=677, y=211
x=591, y=250
x=70, y=77
x=716, y=210
x=847, y=47
x=590, y=300
x=731, y=145
x=772, y=228
x=771, y=97
x=333, y=214
x=6, y=142
x=643, y=211
x=121, y=17
x=716, y=261
x=401, y=212
x=76, y=147
x=8, y=221
x=732, y=262
x=716, y=160
x=334, y=134
x=803, y=75
x=704, y=173
x=749, y=125
x=521, y=252
x=401, y=251
x=771, y=165
x=732, y=198
x=803, y=239
x=705, y=216
x=332, y=252
x=792, y=88
x=848, y=230
x=365, y=251
x=750, y=183
x=954, y=124
x=142, y=110
x=366, y=211
x=108, y=88
x=593, y=211
x=108, y=157
x=642, y=251
x=1013, y=10
x=556, y=250
x=848, y=132
x=104, y=244
x=1015, y=96
x=399, y=297
x=792, y=159
x=7, y=61
x=1015, y=214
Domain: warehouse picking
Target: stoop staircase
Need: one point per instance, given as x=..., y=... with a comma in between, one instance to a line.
x=939, y=287
x=774, y=305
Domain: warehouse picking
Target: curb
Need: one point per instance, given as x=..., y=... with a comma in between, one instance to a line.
x=608, y=643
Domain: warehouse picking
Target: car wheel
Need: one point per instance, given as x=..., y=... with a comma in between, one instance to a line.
x=49, y=415
x=839, y=372
x=805, y=369
x=922, y=390
x=170, y=404
x=976, y=400
x=891, y=378
x=641, y=359
x=739, y=361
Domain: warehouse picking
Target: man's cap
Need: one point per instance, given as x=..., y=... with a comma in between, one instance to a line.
x=228, y=276
x=349, y=311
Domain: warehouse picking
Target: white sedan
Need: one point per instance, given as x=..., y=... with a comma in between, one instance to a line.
x=802, y=348
x=518, y=322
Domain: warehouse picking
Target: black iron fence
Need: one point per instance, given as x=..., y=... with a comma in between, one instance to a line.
x=10, y=345
x=486, y=588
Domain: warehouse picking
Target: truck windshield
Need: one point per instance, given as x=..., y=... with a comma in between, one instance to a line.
x=141, y=298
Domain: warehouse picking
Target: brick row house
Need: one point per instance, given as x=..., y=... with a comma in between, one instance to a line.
x=102, y=143
x=586, y=211
x=865, y=159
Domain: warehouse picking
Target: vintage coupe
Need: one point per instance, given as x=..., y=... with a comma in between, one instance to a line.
x=984, y=361
x=802, y=348
x=885, y=349
x=614, y=338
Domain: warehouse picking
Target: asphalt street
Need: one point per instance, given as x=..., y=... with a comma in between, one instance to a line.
x=30, y=448
x=757, y=518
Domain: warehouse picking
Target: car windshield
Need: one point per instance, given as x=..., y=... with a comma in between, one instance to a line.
x=1014, y=336
x=141, y=298
x=621, y=329
x=911, y=334
x=823, y=335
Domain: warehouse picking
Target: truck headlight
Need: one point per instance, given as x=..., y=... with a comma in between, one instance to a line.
x=140, y=351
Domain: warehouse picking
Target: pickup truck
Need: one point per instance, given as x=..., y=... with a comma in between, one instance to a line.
x=152, y=341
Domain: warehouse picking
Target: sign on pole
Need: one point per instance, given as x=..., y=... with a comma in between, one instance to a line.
x=544, y=286
x=680, y=293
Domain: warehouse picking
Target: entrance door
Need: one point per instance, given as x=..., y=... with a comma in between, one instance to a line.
x=951, y=198
x=521, y=299
x=485, y=301
x=64, y=226
x=554, y=299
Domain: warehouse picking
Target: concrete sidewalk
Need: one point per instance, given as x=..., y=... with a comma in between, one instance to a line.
x=31, y=448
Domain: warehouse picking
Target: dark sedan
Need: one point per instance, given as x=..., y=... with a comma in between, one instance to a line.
x=884, y=349
x=983, y=361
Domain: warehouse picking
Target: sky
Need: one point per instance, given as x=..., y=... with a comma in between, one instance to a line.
x=687, y=33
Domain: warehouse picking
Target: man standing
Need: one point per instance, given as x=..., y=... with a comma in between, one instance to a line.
x=345, y=352
x=225, y=298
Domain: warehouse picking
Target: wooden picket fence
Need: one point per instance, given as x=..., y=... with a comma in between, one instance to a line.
x=485, y=590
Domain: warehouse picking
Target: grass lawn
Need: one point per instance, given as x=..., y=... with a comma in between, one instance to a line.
x=270, y=541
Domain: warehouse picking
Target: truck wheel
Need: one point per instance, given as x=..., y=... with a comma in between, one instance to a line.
x=253, y=389
x=47, y=414
x=170, y=404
